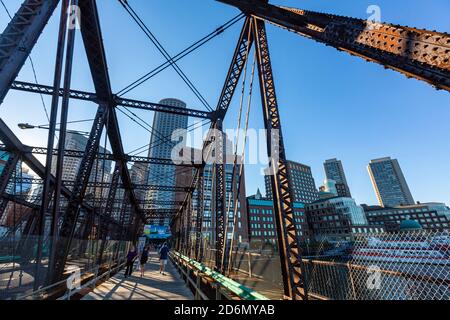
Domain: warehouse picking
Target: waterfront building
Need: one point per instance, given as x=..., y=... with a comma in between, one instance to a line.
x=431, y=216
x=261, y=220
x=336, y=219
x=302, y=183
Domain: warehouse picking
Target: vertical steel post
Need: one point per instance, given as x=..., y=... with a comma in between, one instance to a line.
x=188, y=225
x=86, y=231
x=199, y=218
x=51, y=135
x=62, y=140
x=289, y=250
x=220, y=192
x=183, y=229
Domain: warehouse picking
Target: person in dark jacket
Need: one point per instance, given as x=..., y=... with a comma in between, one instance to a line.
x=163, y=256
x=144, y=259
x=131, y=257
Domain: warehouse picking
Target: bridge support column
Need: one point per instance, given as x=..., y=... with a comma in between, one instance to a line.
x=199, y=217
x=288, y=247
x=46, y=192
x=220, y=192
x=189, y=225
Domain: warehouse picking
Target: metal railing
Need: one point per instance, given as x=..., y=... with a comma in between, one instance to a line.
x=222, y=285
x=400, y=266
x=22, y=276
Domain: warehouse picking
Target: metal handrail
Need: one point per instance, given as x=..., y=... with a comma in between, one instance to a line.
x=238, y=289
x=196, y=285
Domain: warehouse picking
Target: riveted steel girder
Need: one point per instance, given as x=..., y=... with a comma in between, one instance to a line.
x=104, y=156
x=290, y=256
x=219, y=187
x=199, y=217
x=123, y=102
x=19, y=38
x=420, y=54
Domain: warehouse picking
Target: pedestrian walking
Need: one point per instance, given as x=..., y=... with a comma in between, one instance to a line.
x=131, y=257
x=144, y=259
x=163, y=256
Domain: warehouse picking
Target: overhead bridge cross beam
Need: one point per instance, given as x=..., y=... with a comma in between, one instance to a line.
x=157, y=213
x=144, y=203
x=103, y=156
x=420, y=54
x=30, y=202
x=71, y=184
x=118, y=101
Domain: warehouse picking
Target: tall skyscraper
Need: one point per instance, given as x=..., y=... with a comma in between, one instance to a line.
x=389, y=183
x=335, y=171
x=162, y=146
x=302, y=183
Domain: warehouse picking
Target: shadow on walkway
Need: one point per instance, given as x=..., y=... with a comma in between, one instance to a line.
x=153, y=286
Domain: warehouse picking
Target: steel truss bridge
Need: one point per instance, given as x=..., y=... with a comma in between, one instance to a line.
x=119, y=213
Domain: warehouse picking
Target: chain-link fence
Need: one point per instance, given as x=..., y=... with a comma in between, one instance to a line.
x=401, y=266
x=19, y=269
x=387, y=266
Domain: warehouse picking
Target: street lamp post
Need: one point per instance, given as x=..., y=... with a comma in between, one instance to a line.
x=27, y=126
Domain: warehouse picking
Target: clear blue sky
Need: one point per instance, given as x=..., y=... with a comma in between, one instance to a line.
x=332, y=104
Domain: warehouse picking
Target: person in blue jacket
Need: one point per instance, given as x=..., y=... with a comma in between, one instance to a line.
x=163, y=256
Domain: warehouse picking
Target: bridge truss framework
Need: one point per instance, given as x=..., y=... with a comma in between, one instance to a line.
x=419, y=54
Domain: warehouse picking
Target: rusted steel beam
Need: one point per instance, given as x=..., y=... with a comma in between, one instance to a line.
x=419, y=54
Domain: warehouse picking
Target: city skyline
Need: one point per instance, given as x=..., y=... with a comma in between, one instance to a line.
x=354, y=103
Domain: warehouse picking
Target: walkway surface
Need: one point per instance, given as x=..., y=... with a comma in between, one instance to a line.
x=153, y=286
